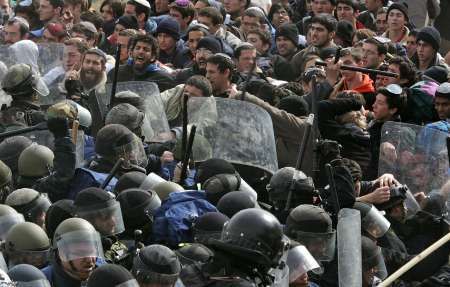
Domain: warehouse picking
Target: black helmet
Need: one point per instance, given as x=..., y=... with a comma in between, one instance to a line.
x=208, y=225
x=281, y=184
x=194, y=253
x=138, y=207
x=28, y=275
x=11, y=148
x=132, y=179
x=111, y=275
x=255, y=235
x=156, y=264
x=101, y=209
x=233, y=202
x=57, y=213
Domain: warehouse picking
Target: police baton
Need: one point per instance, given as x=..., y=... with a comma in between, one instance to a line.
x=38, y=127
x=362, y=70
x=184, y=135
x=330, y=175
x=188, y=154
x=112, y=173
x=116, y=74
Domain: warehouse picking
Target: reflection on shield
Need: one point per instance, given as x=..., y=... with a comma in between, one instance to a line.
x=239, y=132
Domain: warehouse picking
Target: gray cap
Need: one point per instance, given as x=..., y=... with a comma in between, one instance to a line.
x=443, y=90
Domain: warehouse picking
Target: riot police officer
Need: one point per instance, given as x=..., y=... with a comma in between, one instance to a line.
x=32, y=204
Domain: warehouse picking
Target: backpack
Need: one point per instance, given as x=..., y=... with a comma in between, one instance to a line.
x=173, y=220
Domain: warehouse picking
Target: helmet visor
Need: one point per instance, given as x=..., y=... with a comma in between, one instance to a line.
x=375, y=223
x=133, y=153
x=107, y=220
x=320, y=245
x=35, y=258
x=300, y=261
x=79, y=244
x=8, y=221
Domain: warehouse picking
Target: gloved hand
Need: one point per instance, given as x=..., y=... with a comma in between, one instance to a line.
x=58, y=126
x=74, y=89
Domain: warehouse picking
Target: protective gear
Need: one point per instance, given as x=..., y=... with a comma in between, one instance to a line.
x=163, y=189
x=312, y=226
x=261, y=242
x=156, y=264
x=209, y=225
x=126, y=115
x=32, y=204
x=71, y=110
x=11, y=148
x=5, y=181
x=212, y=167
x=300, y=261
x=132, y=179
x=25, y=275
x=111, y=275
x=8, y=218
x=84, y=176
x=35, y=161
x=371, y=254
x=138, y=207
x=28, y=243
x=151, y=181
x=194, y=253
x=219, y=185
x=101, y=209
x=21, y=82
x=281, y=183
x=233, y=202
x=372, y=221
x=57, y=213
x=116, y=141
x=74, y=233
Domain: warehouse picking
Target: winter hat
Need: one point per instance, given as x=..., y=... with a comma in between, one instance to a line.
x=92, y=196
x=170, y=27
x=438, y=74
x=194, y=253
x=430, y=35
x=132, y=179
x=209, y=225
x=110, y=275
x=210, y=43
x=345, y=31
x=212, y=167
x=128, y=21
x=289, y=31
x=295, y=105
x=401, y=6
x=138, y=206
x=235, y=201
x=57, y=213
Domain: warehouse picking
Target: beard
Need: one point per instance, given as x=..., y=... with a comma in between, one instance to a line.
x=90, y=78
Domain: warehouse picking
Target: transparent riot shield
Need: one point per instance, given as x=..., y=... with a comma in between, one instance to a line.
x=236, y=131
x=155, y=124
x=415, y=155
x=349, y=248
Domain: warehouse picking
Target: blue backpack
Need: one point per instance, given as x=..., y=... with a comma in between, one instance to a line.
x=174, y=218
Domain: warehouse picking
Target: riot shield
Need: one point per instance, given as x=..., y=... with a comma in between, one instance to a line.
x=236, y=131
x=415, y=155
x=349, y=248
x=155, y=123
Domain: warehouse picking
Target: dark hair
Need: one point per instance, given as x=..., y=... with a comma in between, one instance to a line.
x=394, y=100
x=185, y=11
x=223, y=63
x=413, y=33
x=79, y=43
x=363, y=34
x=94, y=17
x=381, y=48
x=146, y=39
x=350, y=94
x=294, y=87
x=84, y=4
x=350, y=3
x=56, y=3
x=199, y=28
x=263, y=35
x=140, y=8
x=24, y=27
x=213, y=13
x=277, y=7
x=201, y=83
x=117, y=7
x=78, y=28
x=407, y=70
x=328, y=21
x=254, y=12
x=242, y=47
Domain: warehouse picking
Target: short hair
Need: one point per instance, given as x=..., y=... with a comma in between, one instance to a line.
x=382, y=10
x=84, y=4
x=56, y=3
x=278, y=6
x=350, y=94
x=94, y=17
x=263, y=35
x=201, y=83
x=213, y=14
x=413, y=33
x=78, y=43
x=185, y=11
x=356, y=53
x=363, y=34
x=244, y=46
x=294, y=87
x=128, y=33
x=117, y=7
x=24, y=27
x=254, y=12
x=393, y=100
x=350, y=3
x=381, y=48
x=328, y=21
x=407, y=70
x=223, y=62
x=79, y=28
x=146, y=39
x=198, y=27
x=140, y=8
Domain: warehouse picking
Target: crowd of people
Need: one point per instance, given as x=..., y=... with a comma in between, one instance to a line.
x=161, y=143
